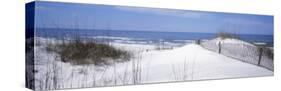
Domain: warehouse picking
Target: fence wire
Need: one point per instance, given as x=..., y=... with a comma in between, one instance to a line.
x=243, y=52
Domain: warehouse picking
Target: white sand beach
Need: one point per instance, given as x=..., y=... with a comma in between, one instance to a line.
x=186, y=63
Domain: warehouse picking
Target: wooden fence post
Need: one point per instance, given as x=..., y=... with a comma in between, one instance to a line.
x=198, y=41
x=260, y=55
x=219, y=47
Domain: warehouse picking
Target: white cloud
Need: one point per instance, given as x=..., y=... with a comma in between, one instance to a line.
x=169, y=12
x=44, y=8
x=245, y=22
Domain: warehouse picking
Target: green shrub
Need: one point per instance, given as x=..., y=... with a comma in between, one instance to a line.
x=79, y=53
x=225, y=35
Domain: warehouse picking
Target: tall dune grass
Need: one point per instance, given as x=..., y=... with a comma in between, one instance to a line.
x=78, y=52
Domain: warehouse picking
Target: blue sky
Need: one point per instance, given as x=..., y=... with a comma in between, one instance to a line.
x=89, y=16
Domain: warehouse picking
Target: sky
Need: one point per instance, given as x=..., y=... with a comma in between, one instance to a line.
x=92, y=16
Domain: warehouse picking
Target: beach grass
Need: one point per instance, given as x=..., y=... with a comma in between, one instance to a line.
x=81, y=53
x=225, y=35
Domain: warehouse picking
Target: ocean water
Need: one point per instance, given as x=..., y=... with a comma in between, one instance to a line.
x=143, y=36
